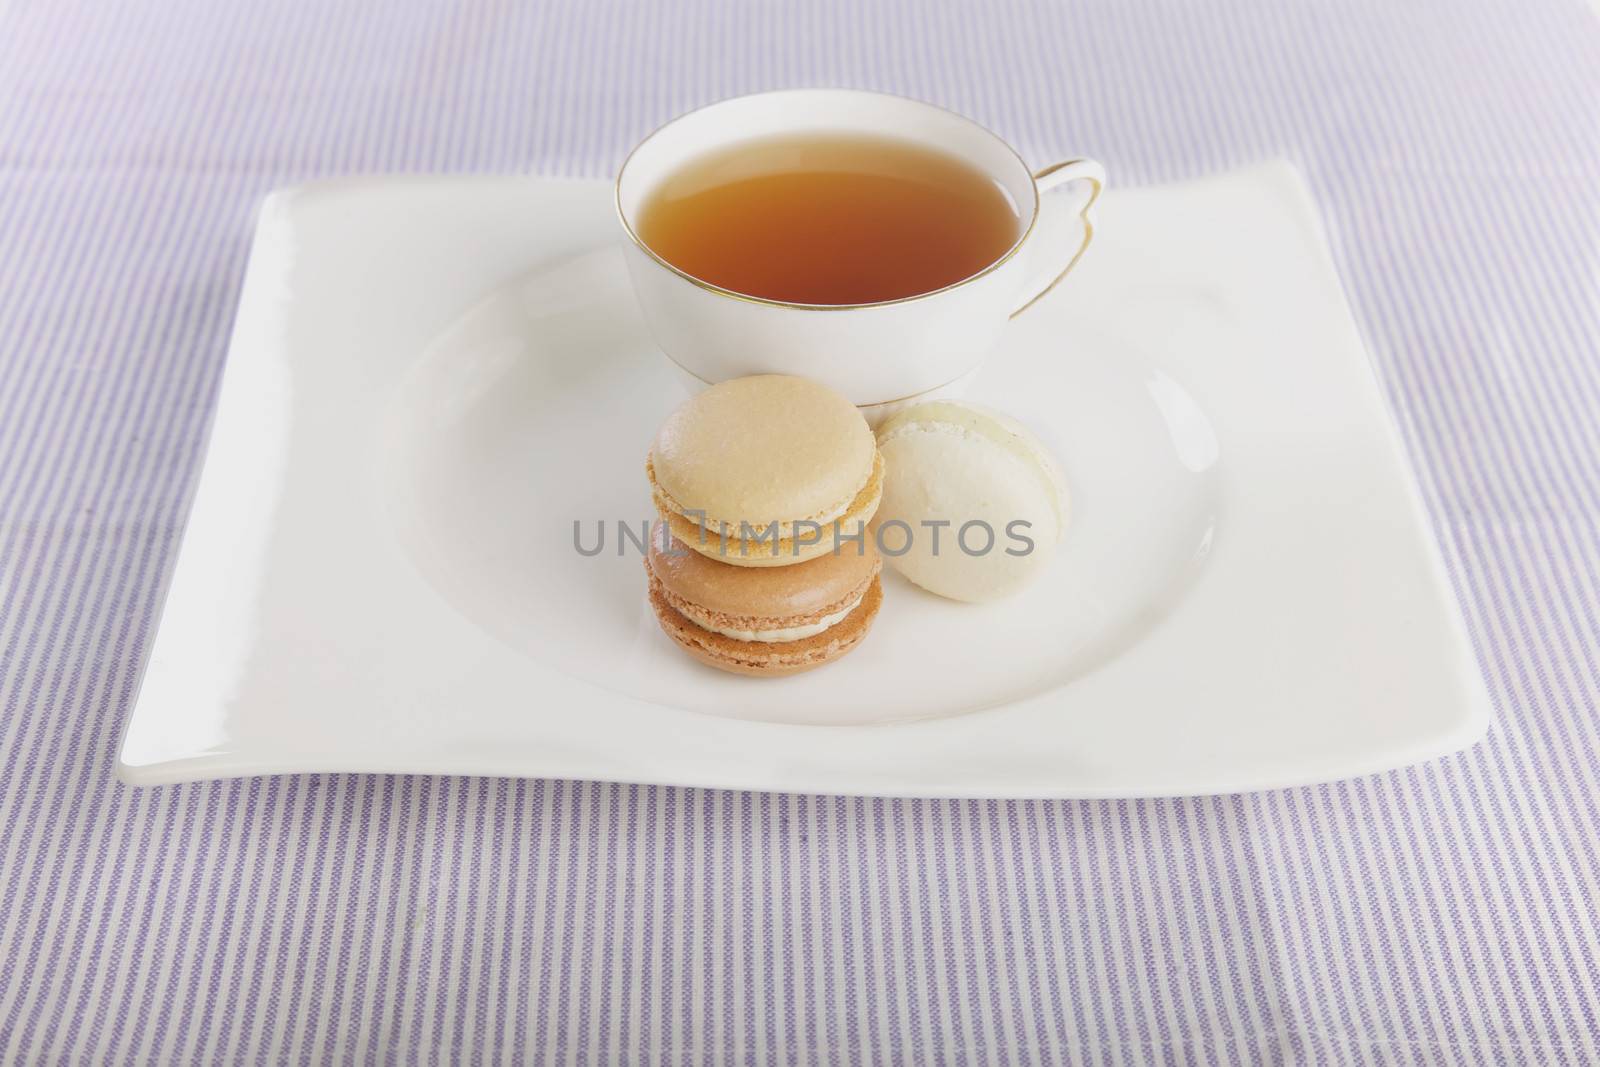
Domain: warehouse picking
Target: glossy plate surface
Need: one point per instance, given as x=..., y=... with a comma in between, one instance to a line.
x=431, y=380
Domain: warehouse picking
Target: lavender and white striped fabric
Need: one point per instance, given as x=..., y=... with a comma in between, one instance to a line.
x=1444, y=914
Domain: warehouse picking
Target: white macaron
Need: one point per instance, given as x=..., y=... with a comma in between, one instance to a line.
x=973, y=504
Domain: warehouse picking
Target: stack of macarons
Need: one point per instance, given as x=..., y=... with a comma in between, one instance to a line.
x=763, y=563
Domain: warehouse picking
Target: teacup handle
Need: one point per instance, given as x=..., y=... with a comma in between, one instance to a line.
x=1059, y=176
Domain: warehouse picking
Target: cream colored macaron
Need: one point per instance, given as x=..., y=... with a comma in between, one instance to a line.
x=974, y=498
x=762, y=471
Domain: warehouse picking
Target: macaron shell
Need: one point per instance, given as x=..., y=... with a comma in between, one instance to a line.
x=764, y=553
x=755, y=598
x=951, y=415
x=941, y=472
x=766, y=448
x=760, y=659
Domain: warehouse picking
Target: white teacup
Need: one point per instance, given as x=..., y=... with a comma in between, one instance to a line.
x=878, y=353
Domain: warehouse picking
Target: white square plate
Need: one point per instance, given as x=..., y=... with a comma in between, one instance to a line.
x=432, y=380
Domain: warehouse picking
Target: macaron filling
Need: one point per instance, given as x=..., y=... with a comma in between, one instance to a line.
x=769, y=635
x=763, y=658
x=791, y=544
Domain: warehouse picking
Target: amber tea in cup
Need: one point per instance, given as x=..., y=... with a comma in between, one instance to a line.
x=822, y=218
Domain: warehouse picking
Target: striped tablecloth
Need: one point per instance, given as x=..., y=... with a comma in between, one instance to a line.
x=1443, y=914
